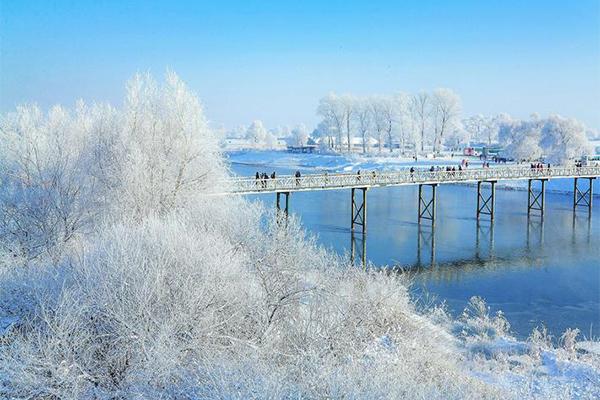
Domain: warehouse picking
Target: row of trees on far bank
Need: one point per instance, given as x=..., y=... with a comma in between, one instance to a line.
x=426, y=121
x=421, y=123
x=410, y=121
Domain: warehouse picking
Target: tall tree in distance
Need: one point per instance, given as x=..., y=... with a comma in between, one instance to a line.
x=420, y=106
x=363, y=118
x=333, y=116
x=379, y=118
x=445, y=114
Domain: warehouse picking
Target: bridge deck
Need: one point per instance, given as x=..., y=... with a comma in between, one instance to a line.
x=288, y=183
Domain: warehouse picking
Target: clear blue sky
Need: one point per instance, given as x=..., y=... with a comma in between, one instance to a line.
x=273, y=60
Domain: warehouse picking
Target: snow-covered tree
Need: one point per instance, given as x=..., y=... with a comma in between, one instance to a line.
x=420, y=106
x=478, y=127
x=363, y=121
x=300, y=135
x=563, y=139
x=380, y=121
x=333, y=116
x=257, y=133
x=556, y=138
x=237, y=132
x=445, y=115
x=404, y=125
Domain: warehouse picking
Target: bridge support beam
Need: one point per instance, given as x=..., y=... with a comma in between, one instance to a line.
x=536, y=200
x=427, y=207
x=486, y=204
x=359, y=211
x=583, y=198
x=283, y=213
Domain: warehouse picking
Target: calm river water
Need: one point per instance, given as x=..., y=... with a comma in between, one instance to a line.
x=536, y=273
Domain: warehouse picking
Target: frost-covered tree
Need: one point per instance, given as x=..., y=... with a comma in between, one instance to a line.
x=363, y=121
x=522, y=140
x=563, y=139
x=237, y=132
x=300, y=135
x=404, y=125
x=445, y=114
x=348, y=105
x=52, y=166
x=478, y=127
x=257, y=133
x=167, y=155
x=333, y=116
x=457, y=137
x=420, y=106
x=379, y=112
x=556, y=138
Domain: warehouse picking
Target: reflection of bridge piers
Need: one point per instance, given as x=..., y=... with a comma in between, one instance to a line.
x=358, y=248
x=426, y=240
x=535, y=226
x=483, y=232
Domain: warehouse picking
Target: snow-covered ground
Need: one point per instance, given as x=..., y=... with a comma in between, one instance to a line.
x=318, y=162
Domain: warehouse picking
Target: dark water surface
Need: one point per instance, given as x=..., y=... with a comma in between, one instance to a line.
x=535, y=272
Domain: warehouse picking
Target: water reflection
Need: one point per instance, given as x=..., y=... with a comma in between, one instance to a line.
x=535, y=233
x=484, y=237
x=425, y=244
x=358, y=249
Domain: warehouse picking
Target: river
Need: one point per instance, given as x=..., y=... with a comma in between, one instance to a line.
x=536, y=271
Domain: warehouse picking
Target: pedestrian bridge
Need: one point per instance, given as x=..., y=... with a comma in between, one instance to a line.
x=369, y=179
x=484, y=178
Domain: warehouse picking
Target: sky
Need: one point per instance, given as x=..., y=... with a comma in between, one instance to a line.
x=272, y=61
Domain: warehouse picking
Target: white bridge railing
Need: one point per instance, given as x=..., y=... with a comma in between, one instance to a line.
x=371, y=178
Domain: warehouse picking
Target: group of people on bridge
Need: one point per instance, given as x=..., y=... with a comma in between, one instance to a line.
x=539, y=166
x=262, y=178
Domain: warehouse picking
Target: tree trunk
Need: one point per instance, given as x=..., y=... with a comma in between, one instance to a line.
x=348, y=133
x=363, y=142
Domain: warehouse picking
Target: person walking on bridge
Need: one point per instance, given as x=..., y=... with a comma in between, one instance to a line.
x=297, y=175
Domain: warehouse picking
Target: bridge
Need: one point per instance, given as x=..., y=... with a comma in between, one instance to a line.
x=361, y=181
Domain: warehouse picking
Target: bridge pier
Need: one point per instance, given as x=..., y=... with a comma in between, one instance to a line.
x=536, y=201
x=359, y=212
x=427, y=208
x=283, y=213
x=486, y=205
x=583, y=199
